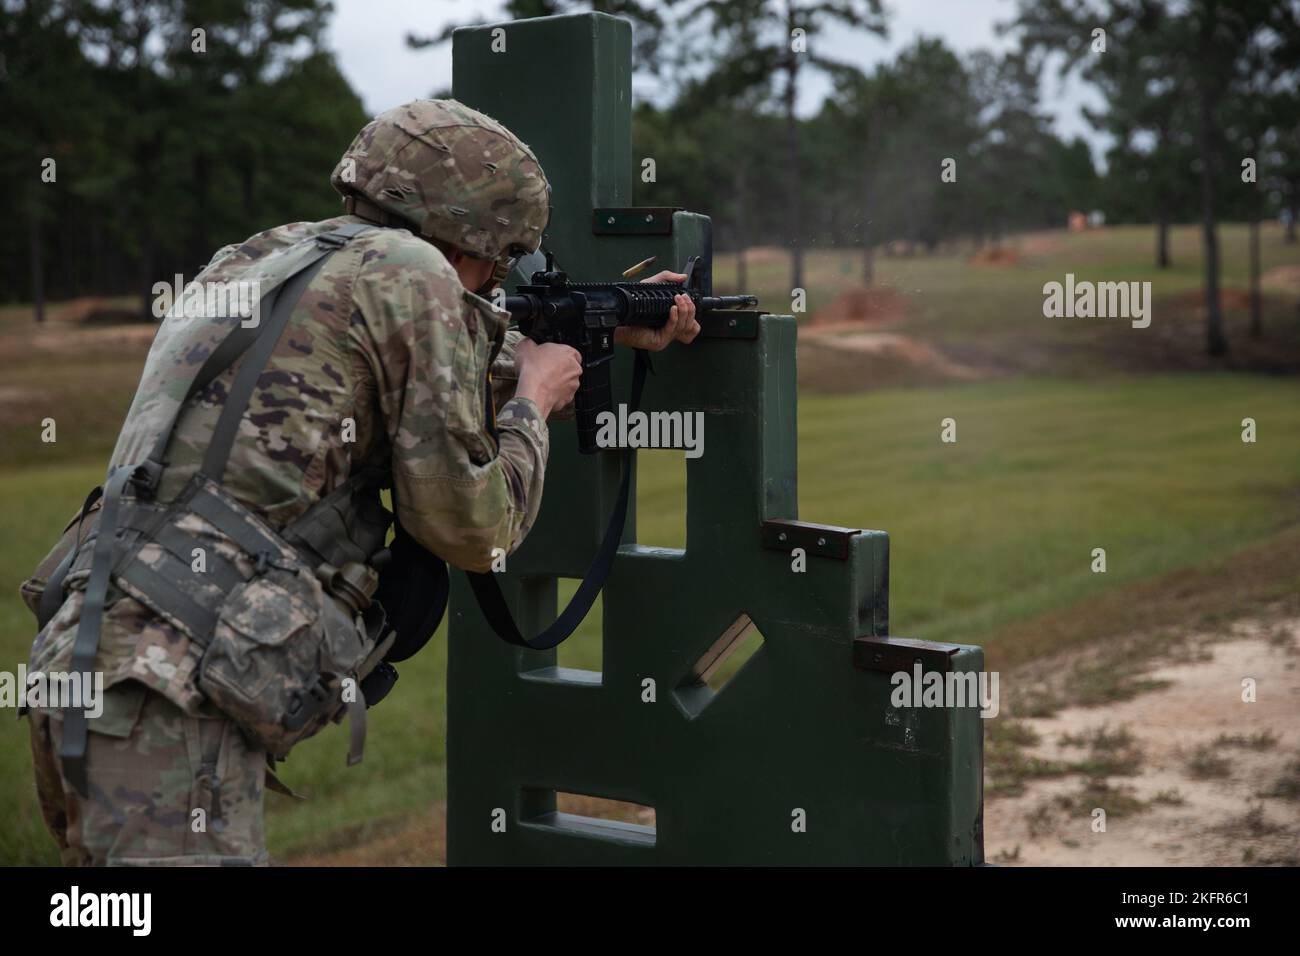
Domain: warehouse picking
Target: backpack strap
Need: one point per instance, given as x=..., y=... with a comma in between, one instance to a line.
x=246, y=376
x=145, y=477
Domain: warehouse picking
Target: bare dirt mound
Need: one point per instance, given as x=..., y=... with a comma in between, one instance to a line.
x=1040, y=244
x=996, y=256
x=844, y=346
x=877, y=306
x=844, y=357
x=1182, y=773
x=1282, y=278
x=109, y=338
x=91, y=310
x=1229, y=298
x=920, y=358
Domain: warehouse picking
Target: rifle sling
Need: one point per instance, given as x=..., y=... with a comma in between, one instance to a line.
x=487, y=592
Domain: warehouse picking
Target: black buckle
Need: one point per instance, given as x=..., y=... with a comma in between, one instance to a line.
x=302, y=709
x=146, y=477
x=263, y=562
x=332, y=239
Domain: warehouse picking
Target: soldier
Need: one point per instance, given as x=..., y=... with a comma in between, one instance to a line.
x=379, y=379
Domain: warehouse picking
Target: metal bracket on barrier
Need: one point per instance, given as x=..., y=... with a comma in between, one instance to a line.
x=732, y=324
x=892, y=654
x=633, y=221
x=822, y=540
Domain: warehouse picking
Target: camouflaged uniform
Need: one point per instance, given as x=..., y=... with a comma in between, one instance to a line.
x=383, y=364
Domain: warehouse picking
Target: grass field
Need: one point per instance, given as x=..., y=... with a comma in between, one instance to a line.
x=992, y=536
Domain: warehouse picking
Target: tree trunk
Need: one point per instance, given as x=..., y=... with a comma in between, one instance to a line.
x=146, y=279
x=742, y=223
x=794, y=200
x=794, y=205
x=1162, y=239
x=1256, y=297
x=248, y=180
x=868, y=243
x=146, y=157
x=202, y=234
x=38, y=267
x=1215, y=341
x=1290, y=224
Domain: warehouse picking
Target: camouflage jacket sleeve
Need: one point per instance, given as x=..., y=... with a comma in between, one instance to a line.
x=505, y=377
x=428, y=344
x=505, y=370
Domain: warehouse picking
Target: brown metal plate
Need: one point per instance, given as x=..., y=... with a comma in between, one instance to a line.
x=633, y=221
x=894, y=654
x=823, y=540
x=731, y=324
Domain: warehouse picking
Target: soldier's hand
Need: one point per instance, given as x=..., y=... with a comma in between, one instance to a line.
x=548, y=374
x=681, y=325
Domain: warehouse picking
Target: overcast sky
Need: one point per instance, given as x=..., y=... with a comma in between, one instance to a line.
x=368, y=37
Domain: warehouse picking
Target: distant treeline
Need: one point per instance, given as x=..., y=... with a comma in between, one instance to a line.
x=161, y=151
x=1201, y=100
x=927, y=148
x=143, y=135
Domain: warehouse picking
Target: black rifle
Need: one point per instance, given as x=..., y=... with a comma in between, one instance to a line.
x=584, y=315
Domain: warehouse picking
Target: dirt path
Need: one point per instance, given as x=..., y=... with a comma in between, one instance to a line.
x=1187, y=774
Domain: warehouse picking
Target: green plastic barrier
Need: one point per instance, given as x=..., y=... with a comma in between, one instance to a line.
x=800, y=758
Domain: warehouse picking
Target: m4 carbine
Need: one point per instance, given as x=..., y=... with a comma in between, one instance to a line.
x=584, y=315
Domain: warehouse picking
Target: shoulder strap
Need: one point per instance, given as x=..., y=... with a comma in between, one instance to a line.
x=241, y=390
x=279, y=302
x=487, y=592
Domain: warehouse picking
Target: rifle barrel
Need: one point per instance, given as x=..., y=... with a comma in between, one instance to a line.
x=530, y=306
x=713, y=303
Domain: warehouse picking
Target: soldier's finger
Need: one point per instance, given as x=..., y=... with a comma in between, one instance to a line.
x=686, y=309
x=666, y=276
x=670, y=329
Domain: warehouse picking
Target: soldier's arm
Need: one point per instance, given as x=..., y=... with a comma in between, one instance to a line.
x=505, y=370
x=505, y=377
x=456, y=492
x=681, y=326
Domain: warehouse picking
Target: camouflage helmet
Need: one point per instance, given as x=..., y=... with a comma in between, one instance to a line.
x=448, y=172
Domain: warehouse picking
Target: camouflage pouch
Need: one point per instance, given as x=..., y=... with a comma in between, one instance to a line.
x=286, y=638
x=284, y=659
